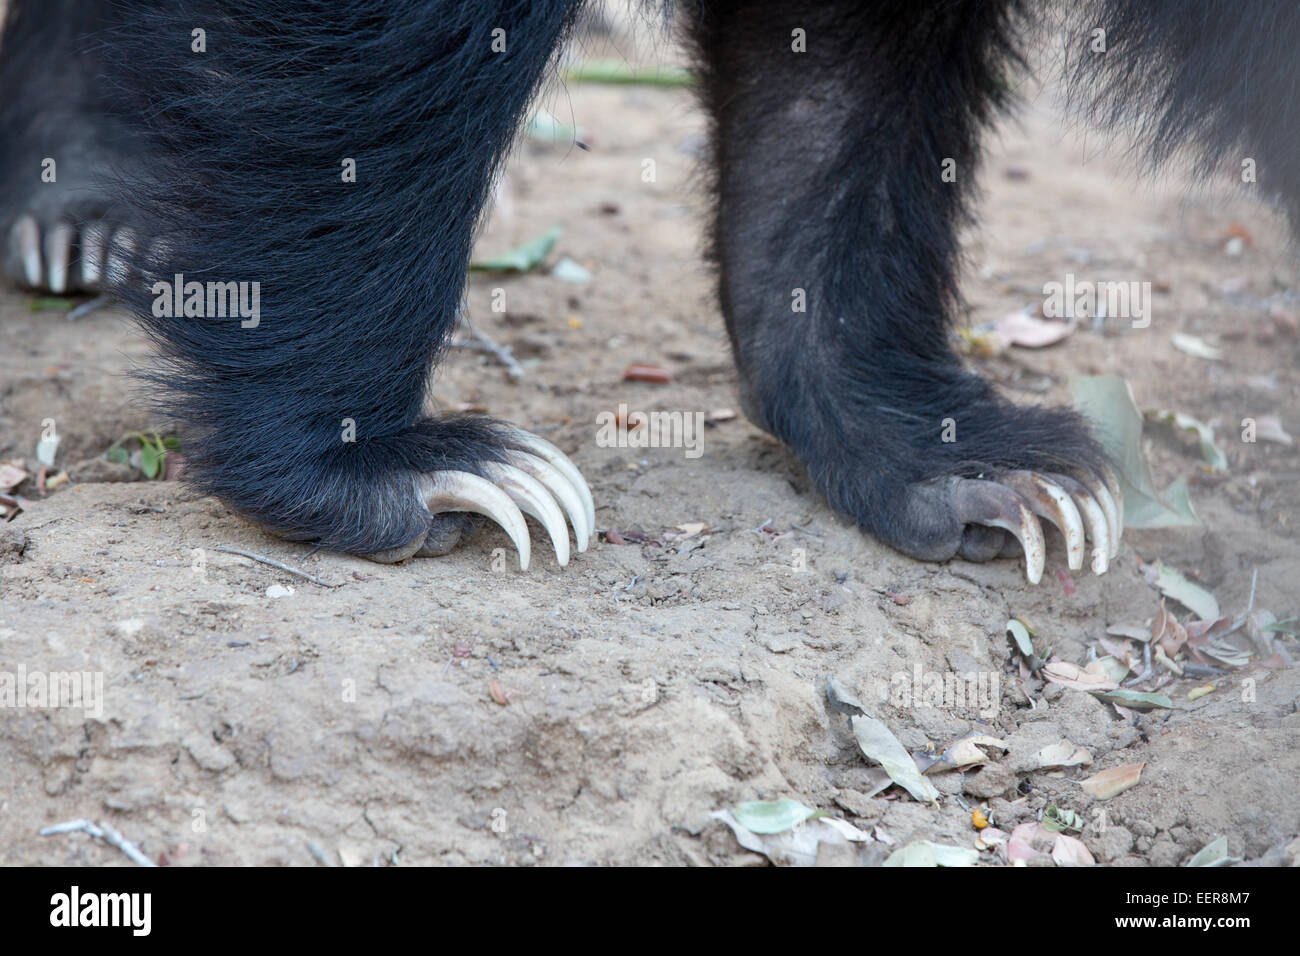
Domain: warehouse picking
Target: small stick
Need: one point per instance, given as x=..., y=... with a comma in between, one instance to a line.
x=103, y=832
x=276, y=564
x=485, y=343
x=83, y=310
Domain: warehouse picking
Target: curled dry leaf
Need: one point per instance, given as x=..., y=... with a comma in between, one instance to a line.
x=1166, y=632
x=966, y=752
x=1064, y=754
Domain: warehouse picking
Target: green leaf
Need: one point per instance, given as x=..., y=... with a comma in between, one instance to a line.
x=522, y=259
x=1058, y=821
x=119, y=455
x=773, y=816
x=1107, y=400
x=151, y=460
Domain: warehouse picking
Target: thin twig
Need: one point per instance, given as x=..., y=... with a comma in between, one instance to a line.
x=485, y=343
x=276, y=564
x=83, y=310
x=103, y=832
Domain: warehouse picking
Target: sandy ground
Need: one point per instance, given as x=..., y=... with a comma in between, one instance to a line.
x=653, y=682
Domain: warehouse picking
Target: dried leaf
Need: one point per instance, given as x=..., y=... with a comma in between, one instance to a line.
x=925, y=853
x=878, y=743
x=1172, y=584
x=1109, y=783
x=1084, y=678
x=1069, y=851
x=773, y=816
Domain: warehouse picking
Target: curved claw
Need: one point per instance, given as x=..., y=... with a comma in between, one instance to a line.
x=560, y=461
x=988, y=503
x=561, y=488
x=1094, y=519
x=1109, y=500
x=1049, y=500
x=532, y=498
x=25, y=237
x=58, y=255
x=462, y=491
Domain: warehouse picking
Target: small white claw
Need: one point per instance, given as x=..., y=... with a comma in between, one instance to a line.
x=1113, y=510
x=26, y=236
x=1094, y=519
x=462, y=491
x=533, y=499
x=1050, y=500
x=93, y=241
x=549, y=453
x=561, y=488
x=58, y=252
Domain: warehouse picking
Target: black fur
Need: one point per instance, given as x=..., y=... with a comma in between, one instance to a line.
x=827, y=168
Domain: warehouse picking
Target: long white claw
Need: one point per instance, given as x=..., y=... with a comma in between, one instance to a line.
x=462, y=491
x=548, y=452
x=563, y=491
x=58, y=252
x=27, y=237
x=1094, y=520
x=1114, y=516
x=533, y=499
x=93, y=241
x=1050, y=500
x=989, y=503
x=120, y=254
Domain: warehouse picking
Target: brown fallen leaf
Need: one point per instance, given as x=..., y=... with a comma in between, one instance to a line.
x=1166, y=632
x=1116, y=780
